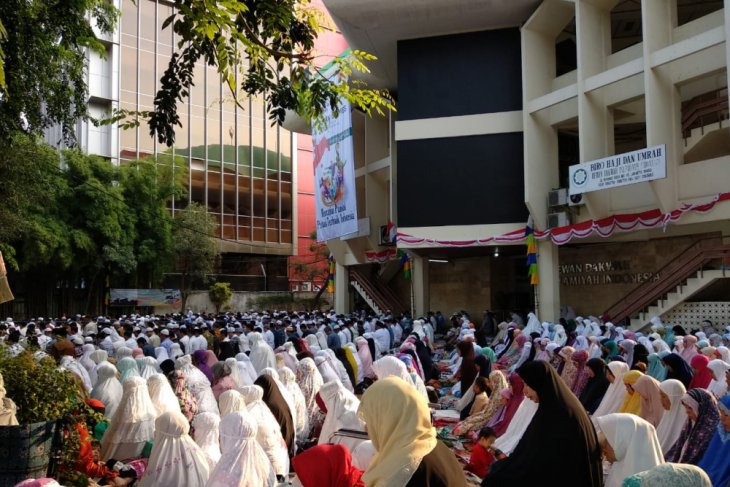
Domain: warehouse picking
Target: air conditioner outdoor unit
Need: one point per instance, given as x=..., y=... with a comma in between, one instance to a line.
x=559, y=219
x=558, y=197
x=576, y=200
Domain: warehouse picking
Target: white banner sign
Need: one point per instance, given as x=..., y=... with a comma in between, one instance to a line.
x=619, y=170
x=334, y=175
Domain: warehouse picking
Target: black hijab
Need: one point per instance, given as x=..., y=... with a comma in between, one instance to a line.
x=508, y=339
x=279, y=408
x=559, y=420
x=678, y=369
x=371, y=346
x=641, y=354
x=426, y=362
x=484, y=364
x=596, y=386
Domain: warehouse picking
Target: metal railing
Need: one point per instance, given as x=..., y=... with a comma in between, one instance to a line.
x=667, y=278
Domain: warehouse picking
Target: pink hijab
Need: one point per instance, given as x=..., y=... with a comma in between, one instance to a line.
x=648, y=389
x=690, y=348
x=367, y=360
x=701, y=373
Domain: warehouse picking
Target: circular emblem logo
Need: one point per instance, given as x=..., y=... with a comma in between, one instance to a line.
x=580, y=176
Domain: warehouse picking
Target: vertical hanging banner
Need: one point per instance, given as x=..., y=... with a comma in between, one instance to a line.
x=334, y=174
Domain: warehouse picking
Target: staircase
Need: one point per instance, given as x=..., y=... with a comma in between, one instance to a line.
x=686, y=274
x=376, y=293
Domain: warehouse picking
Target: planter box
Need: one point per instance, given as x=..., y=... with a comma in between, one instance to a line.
x=25, y=452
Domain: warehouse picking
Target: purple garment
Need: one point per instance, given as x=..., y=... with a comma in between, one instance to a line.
x=199, y=360
x=695, y=437
x=510, y=409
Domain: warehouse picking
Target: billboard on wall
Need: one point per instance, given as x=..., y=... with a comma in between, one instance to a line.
x=145, y=297
x=620, y=170
x=334, y=174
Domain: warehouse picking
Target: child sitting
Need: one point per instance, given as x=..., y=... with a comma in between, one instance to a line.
x=483, y=455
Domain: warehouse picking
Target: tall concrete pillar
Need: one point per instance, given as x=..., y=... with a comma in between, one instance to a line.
x=342, y=289
x=548, y=291
x=421, y=286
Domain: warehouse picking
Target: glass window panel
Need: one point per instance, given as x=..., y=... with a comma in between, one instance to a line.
x=197, y=135
x=214, y=136
x=147, y=72
x=129, y=18
x=147, y=27
x=164, y=37
x=129, y=69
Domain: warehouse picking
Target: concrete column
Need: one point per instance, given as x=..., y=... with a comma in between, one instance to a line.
x=548, y=291
x=342, y=289
x=421, y=286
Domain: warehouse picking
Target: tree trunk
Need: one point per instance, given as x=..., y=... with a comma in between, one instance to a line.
x=318, y=297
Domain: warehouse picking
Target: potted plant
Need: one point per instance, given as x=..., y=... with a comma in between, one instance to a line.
x=48, y=401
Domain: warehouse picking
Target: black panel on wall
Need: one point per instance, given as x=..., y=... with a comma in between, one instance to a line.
x=463, y=74
x=461, y=181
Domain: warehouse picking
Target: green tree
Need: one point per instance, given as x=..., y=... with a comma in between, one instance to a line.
x=194, y=248
x=44, y=45
x=149, y=187
x=313, y=267
x=220, y=294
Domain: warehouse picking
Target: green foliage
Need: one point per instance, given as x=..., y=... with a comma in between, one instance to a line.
x=194, y=249
x=44, y=61
x=41, y=390
x=148, y=187
x=261, y=48
x=220, y=294
x=78, y=217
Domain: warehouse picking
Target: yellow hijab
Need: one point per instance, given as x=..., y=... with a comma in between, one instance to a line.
x=632, y=402
x=351, y=361
x=399, y=425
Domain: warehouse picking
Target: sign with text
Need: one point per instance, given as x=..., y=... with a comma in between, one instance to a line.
x=144, y=297
x=334, y=174
x=620, y=170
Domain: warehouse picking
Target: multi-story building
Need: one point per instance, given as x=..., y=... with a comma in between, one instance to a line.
x=495, y=103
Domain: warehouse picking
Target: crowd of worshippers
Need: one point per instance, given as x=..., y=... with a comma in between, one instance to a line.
x=319, y=399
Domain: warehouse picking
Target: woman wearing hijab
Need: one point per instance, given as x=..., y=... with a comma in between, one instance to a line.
x=568, y=369
x=641, y=356
x=703, y=415
x=414, y=376
x=162, y=395
x=268, y=433
x=498, y=383
x=262, y=355
x=716, y=460
x=310, y=381
x=670, y=475
x=580, y=358
x=161, y=355
x=689, y=349
x=610, y=350
x=651, y=399
x=341, y=357
x=279, y=407
x=127, y=368
x=701, y=375
x=632, y=401
x=678, y=369
x=206, y=434
x=718, y=386
x=339, y=368
x=326, y=370
x=656, y=368
x=596, y=386
x=675, y=415
x=230, y=402
x=200, y=361
x=108, y=389
x=341, y=412
x=408, y=453
x=222, y=379
x=626, y=349
x=197, y=384
x=245, y=368
x=365, y=357
x=517, y=426
x=176, y=459
x=133, y=423
x=616, y=392
x=326, y=466
x=88, y=364
x=301, y=426
x=559, y=420
x=243, y=462
x=630, y=444
x=501, y=421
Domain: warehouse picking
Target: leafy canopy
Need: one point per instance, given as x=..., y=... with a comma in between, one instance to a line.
x=261, y=48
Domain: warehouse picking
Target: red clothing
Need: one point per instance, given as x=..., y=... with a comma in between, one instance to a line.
x=479, y=461
x=327, y=466
x=86, y=463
